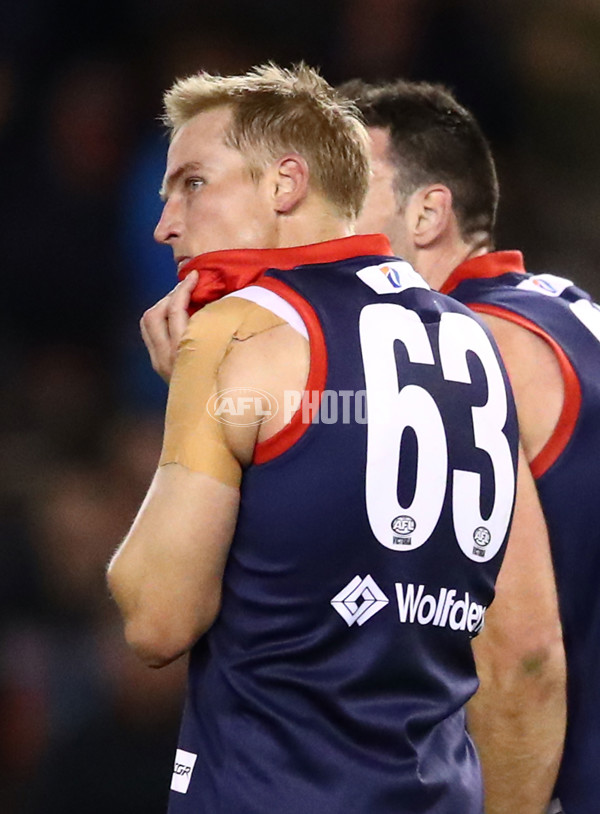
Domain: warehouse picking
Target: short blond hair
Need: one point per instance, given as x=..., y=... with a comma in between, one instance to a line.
x=276, y=111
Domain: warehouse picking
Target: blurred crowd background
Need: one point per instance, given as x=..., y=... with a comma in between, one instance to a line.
x=83, y=726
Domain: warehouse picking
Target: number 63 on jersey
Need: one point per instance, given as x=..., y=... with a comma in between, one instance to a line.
x=392, y=409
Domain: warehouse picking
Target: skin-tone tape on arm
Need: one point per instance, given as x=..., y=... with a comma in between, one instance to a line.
x=193, y=437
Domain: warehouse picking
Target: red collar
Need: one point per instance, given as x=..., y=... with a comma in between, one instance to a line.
x=222, y=272
x=492, y=264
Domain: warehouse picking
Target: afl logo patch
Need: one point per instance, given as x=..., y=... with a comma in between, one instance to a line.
x=482, y=536
x=403, y=524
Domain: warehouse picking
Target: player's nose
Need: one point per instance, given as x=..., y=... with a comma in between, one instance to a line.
x=169, y=224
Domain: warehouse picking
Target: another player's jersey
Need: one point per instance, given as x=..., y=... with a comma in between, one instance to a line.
x=370, y=534
x=567, y=472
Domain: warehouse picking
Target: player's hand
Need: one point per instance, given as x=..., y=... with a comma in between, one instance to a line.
x=164, y=324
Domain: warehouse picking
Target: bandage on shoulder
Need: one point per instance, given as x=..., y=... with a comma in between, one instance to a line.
x=193, y=436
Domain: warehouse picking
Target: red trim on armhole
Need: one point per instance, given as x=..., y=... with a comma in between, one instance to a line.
x=315, y=383
x=561, y=435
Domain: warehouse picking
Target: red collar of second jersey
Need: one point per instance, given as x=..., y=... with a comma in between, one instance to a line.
x=223, y=272
x=492, y=264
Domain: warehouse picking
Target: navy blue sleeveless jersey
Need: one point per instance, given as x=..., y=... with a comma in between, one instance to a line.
x=567, y=473
x=367, y=546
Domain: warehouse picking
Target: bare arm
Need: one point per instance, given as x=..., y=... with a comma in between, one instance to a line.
x=518, y=716
x=167, y=574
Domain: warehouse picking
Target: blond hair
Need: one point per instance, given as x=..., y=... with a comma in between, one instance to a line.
x=276, y=111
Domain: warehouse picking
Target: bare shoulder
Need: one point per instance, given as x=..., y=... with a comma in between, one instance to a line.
x=274, y=360
x=535, y=377
x=236, y=347
x=223, y=315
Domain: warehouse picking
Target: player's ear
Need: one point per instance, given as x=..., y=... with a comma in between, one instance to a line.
x=430, y=214
x=291, y=176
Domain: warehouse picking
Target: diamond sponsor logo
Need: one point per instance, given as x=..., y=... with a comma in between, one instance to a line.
x=363, y=598
x=359, y=600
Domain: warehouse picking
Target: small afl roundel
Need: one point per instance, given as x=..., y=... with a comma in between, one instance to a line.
x=482, y=536
x=403, y=524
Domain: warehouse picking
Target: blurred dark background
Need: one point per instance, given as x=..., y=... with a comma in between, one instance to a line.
x=83, y=726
